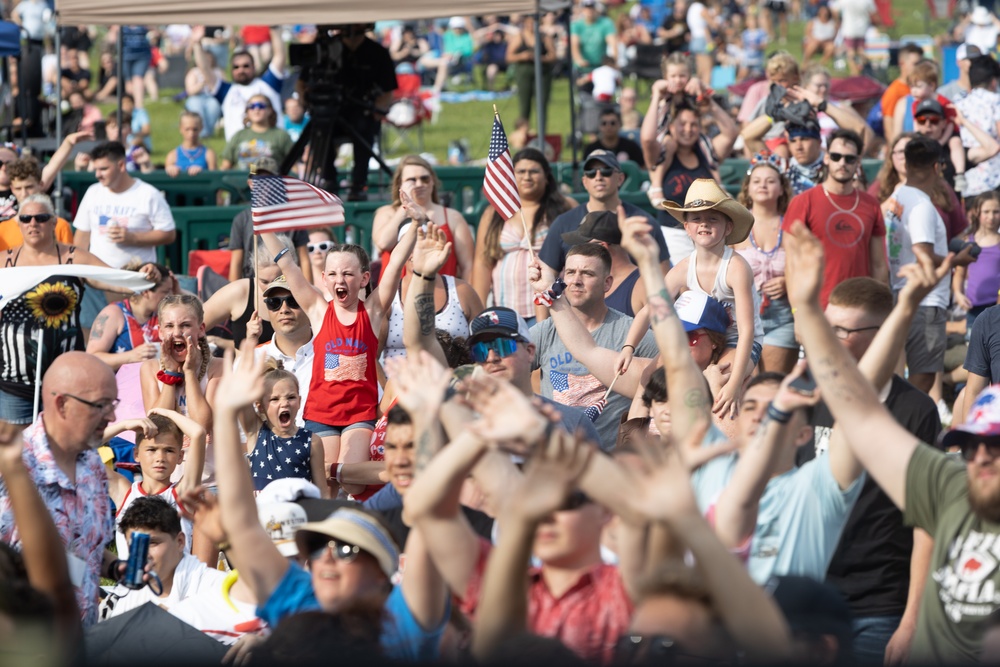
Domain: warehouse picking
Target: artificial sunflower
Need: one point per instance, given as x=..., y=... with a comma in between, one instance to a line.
x=52, y=303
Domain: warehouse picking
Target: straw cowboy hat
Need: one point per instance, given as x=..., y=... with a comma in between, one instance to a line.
x=705, y=194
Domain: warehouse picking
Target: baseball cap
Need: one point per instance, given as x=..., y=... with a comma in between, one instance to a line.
x=967, y=51
x=596, y=226
x=605, y=157
x=456, y=23
x=354, y=527
x=812, y=607
x=928, y=108
x=498, y=321
x=280, y=520
x=698, y=310
x=278, y=283
x=810, y=130
x=983, y=419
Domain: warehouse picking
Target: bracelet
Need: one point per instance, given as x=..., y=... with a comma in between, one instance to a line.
x=627, y=345
x=340, y=468
x=430, y=277
x=550, y=295
x=281, y=253
x=769, y=119
x=777, y=415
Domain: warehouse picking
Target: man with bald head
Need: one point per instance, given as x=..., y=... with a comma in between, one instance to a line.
x=79, y=395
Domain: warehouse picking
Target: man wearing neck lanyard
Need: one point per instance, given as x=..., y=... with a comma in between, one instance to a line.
x=847, y=221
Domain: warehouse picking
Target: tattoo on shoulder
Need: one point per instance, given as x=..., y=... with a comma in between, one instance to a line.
x=425, y=313
x=660, y=306
x=97, y=330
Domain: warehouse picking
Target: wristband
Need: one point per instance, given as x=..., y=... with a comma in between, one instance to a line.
x=281, y=253
x=821, y=107
x=169, y=377
x=769, y=119
x=777, y=415
x=429, y=277
x=551, y=294
x=627, y=345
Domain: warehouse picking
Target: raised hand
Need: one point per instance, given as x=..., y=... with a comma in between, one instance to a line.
x=11, y=444
x=254, y=326
x=414, y=210
x=192, y=362
x=922, y=277
x=804, y=262
x=507, y=417
x=202, y=506
x=539, y=277
x=143, y=427
x=790, y=399
x=637, y=236
x=662, y=492
x=551, y=475
x=420, y=381
x=431, y=251
x=241, y=387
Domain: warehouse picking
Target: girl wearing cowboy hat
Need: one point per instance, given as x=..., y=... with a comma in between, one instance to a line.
x=715, y=222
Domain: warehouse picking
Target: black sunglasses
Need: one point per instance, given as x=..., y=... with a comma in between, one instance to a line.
x=606, y=172
x=40, y=217
x=849, y=159
x=274, y=302
x=971, y=448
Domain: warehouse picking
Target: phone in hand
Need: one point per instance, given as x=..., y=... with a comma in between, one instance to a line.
x=805, y=384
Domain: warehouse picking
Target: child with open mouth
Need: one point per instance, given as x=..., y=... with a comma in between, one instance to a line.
x=280, y=449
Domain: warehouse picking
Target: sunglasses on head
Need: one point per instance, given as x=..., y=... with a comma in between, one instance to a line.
x=40, y=217
x=258, y=106
x=504, y=347
x=275, y=302
x=341, y=551
x=322, y=246
x=606, y=172
x=848, y=159
x=928, y=120
x=971, y=448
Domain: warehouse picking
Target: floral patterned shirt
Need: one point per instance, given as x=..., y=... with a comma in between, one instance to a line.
x=80, y=510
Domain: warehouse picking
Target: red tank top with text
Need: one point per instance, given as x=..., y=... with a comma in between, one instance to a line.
x=344, y=386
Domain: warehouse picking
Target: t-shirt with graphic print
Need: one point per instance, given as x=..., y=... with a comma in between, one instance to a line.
x=248, y=146
x=964, y=574
x=565, y=380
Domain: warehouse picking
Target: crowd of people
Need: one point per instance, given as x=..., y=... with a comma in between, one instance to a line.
x=759, y=428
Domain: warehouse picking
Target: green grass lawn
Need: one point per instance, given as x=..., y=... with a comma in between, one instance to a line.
x=472, y=120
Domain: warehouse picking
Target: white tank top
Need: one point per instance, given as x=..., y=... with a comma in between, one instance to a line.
x=170, y=495
x=824, y=32
x=208, y=473
x=451, y=318
x=722, y=292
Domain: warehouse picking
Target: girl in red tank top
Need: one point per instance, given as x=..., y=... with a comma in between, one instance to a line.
x=343, y=392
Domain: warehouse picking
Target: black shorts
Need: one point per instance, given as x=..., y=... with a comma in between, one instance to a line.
x=776, y=6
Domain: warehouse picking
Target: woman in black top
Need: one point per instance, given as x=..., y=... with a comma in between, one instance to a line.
x=521, y=55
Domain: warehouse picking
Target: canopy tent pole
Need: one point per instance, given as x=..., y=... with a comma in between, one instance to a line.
x=121, y=84
x=539, y=87
x=57, y=195
x=572, y=109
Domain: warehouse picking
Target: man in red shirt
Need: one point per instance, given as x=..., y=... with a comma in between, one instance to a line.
x=847, y=220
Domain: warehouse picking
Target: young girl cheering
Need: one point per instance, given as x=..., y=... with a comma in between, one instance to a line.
x=277, y=448
x=343, y=393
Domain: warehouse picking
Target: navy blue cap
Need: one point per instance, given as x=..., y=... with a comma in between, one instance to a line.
x=499, y=321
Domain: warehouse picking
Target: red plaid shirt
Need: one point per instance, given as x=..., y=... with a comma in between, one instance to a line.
x=588, y=618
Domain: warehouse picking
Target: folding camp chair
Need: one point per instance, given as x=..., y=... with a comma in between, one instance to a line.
x=406, y=114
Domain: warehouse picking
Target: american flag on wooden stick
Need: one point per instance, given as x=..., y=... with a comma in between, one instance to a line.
x=282, y=204
x=500, y=186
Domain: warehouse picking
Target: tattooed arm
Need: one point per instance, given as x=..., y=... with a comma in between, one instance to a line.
x=850, y=397
x=686, y=388
x=429, y=255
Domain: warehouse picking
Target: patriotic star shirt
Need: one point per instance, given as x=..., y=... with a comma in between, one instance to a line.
x=274, y=457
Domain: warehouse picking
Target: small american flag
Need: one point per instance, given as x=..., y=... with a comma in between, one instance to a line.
x=580, y=391
x=282, y=204
x=500, y=186
x=341, y=367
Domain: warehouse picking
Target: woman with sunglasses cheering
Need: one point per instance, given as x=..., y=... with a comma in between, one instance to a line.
x=321, y=242
x=52, y=307
x=260, y=138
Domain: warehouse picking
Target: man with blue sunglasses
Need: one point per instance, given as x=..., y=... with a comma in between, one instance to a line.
x=501, y=345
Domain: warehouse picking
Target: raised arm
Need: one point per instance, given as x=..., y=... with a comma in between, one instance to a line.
x=261, y=564
x=429, y=254
x=651, y=148
x=722, y=143
x=850, y=397
x=309, y=297
x=278, y=53
x=195, y=456
x=211, y=80
x=686, y=389
x=60, y=157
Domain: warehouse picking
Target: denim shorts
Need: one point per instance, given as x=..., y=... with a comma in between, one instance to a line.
x=779, y=325
x=326, y=431
x=698, y=46
x=135, y=68
x=755, y=351
x=16, y=410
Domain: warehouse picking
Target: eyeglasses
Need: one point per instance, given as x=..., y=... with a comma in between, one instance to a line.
x=844, y=334
x=40, y=217
x=275, y=302
x=247, y=66
x=695, y=336
x=971, y=448
x=101, y=406
x=928, y=120
x=848, y=159
x=504, y=347
x=257, y=106
x=322, y=246
x=341, y=551
x=606, y=172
